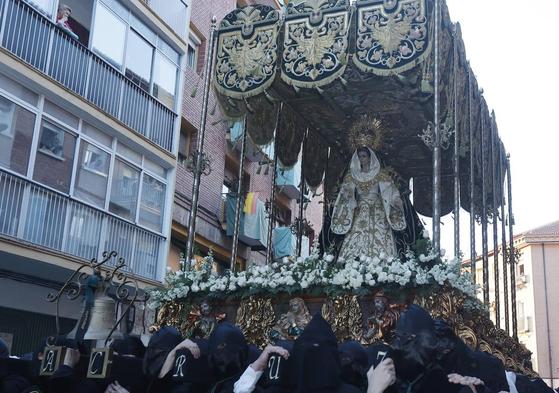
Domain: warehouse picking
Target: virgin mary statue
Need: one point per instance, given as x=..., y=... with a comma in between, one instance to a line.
x=368, y=208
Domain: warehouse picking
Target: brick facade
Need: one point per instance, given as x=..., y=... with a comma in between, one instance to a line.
x=217, y=147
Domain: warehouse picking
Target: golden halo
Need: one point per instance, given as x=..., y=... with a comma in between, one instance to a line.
x=367, y=131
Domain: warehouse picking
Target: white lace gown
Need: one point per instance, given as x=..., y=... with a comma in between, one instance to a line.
x=366, y=211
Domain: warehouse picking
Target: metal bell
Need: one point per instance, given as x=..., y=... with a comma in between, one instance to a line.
x=103, y=319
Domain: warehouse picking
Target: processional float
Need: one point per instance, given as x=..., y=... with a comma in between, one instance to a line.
x=302, y=78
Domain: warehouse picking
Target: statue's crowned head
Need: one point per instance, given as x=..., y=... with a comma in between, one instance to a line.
x=366, y=131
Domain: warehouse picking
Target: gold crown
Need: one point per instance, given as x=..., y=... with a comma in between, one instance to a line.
x=366, y=132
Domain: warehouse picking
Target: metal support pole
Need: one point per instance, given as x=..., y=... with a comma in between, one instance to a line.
x=272, y=213
x=456, y=158
x=238, y=207
x=200, y=146
x=495, y=222
x=472, y=179
x=436, y=144
x=484, y=239
x=504, y=242
x=512, y=258
x=300, y=225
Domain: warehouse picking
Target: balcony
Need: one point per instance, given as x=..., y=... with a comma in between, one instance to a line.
x=289, y=180
x=253, y=152
x=37, y=215
x=173, y=13
x=37, y=41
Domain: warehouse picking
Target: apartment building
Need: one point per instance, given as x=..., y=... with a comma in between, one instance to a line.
x=90, y=113
x=217, y=192
x=537, y=296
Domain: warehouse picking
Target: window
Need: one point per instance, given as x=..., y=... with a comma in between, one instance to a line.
x=164, y=80
x=92, y=175
x=124, y=190
x=97, y=135
x=153, y=201
x=61, y=114
x=16, y=133
x=55, y=156
x=521, y=269
x=46, y=6
x=193, y=51
x=109, y=35
x=139, y=55
x=184, y=148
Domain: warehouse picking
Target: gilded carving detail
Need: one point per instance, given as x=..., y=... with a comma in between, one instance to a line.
x=392, y=37
x=345, y=316
x=477, y=330
x=255, y=317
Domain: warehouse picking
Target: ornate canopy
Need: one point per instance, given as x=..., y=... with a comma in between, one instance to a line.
x=330, y=62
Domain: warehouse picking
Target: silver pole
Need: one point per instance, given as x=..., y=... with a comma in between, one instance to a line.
x=504, y=242
x=484, y=208
x=495, y=223
x=200, y=146
x=472, y=179
x=456, y=156
x=512, y=258
x=271, y=220
x=301, y=198
x=437, y=147
x=237, y=228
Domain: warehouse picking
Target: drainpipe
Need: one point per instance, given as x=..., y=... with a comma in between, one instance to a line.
x=547, y=317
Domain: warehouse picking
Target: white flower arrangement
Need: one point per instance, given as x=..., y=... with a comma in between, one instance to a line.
x=294, y=275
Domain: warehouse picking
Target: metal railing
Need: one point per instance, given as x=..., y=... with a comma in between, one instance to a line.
x=40, y=216
x=173, y=12
x=39, y=42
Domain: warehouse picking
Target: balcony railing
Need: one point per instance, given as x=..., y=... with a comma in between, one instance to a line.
x=39, y=42
x=173, y=12
x=34, y=214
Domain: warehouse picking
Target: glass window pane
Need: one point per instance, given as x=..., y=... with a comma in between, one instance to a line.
x=145, y=31
x=45, y=6
x=55, y=157
x=155, y=168
x=16, y=133
x=61, y=114
x=168, y=51
x=138, y=60
x=92, y=176
x=99, y=136
x=124, y=190
x=129, y=153
x=18, y=90
x=153, y=201
x=109, y=35
x=164, y=80
x=191, y=57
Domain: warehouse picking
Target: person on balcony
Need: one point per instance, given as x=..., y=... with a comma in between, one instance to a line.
x=62, y=16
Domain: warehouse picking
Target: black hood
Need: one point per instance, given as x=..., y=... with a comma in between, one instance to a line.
x=228, y=351
x=314, y=364
x=275, y=377
x=354, y=363
x=160, y=344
